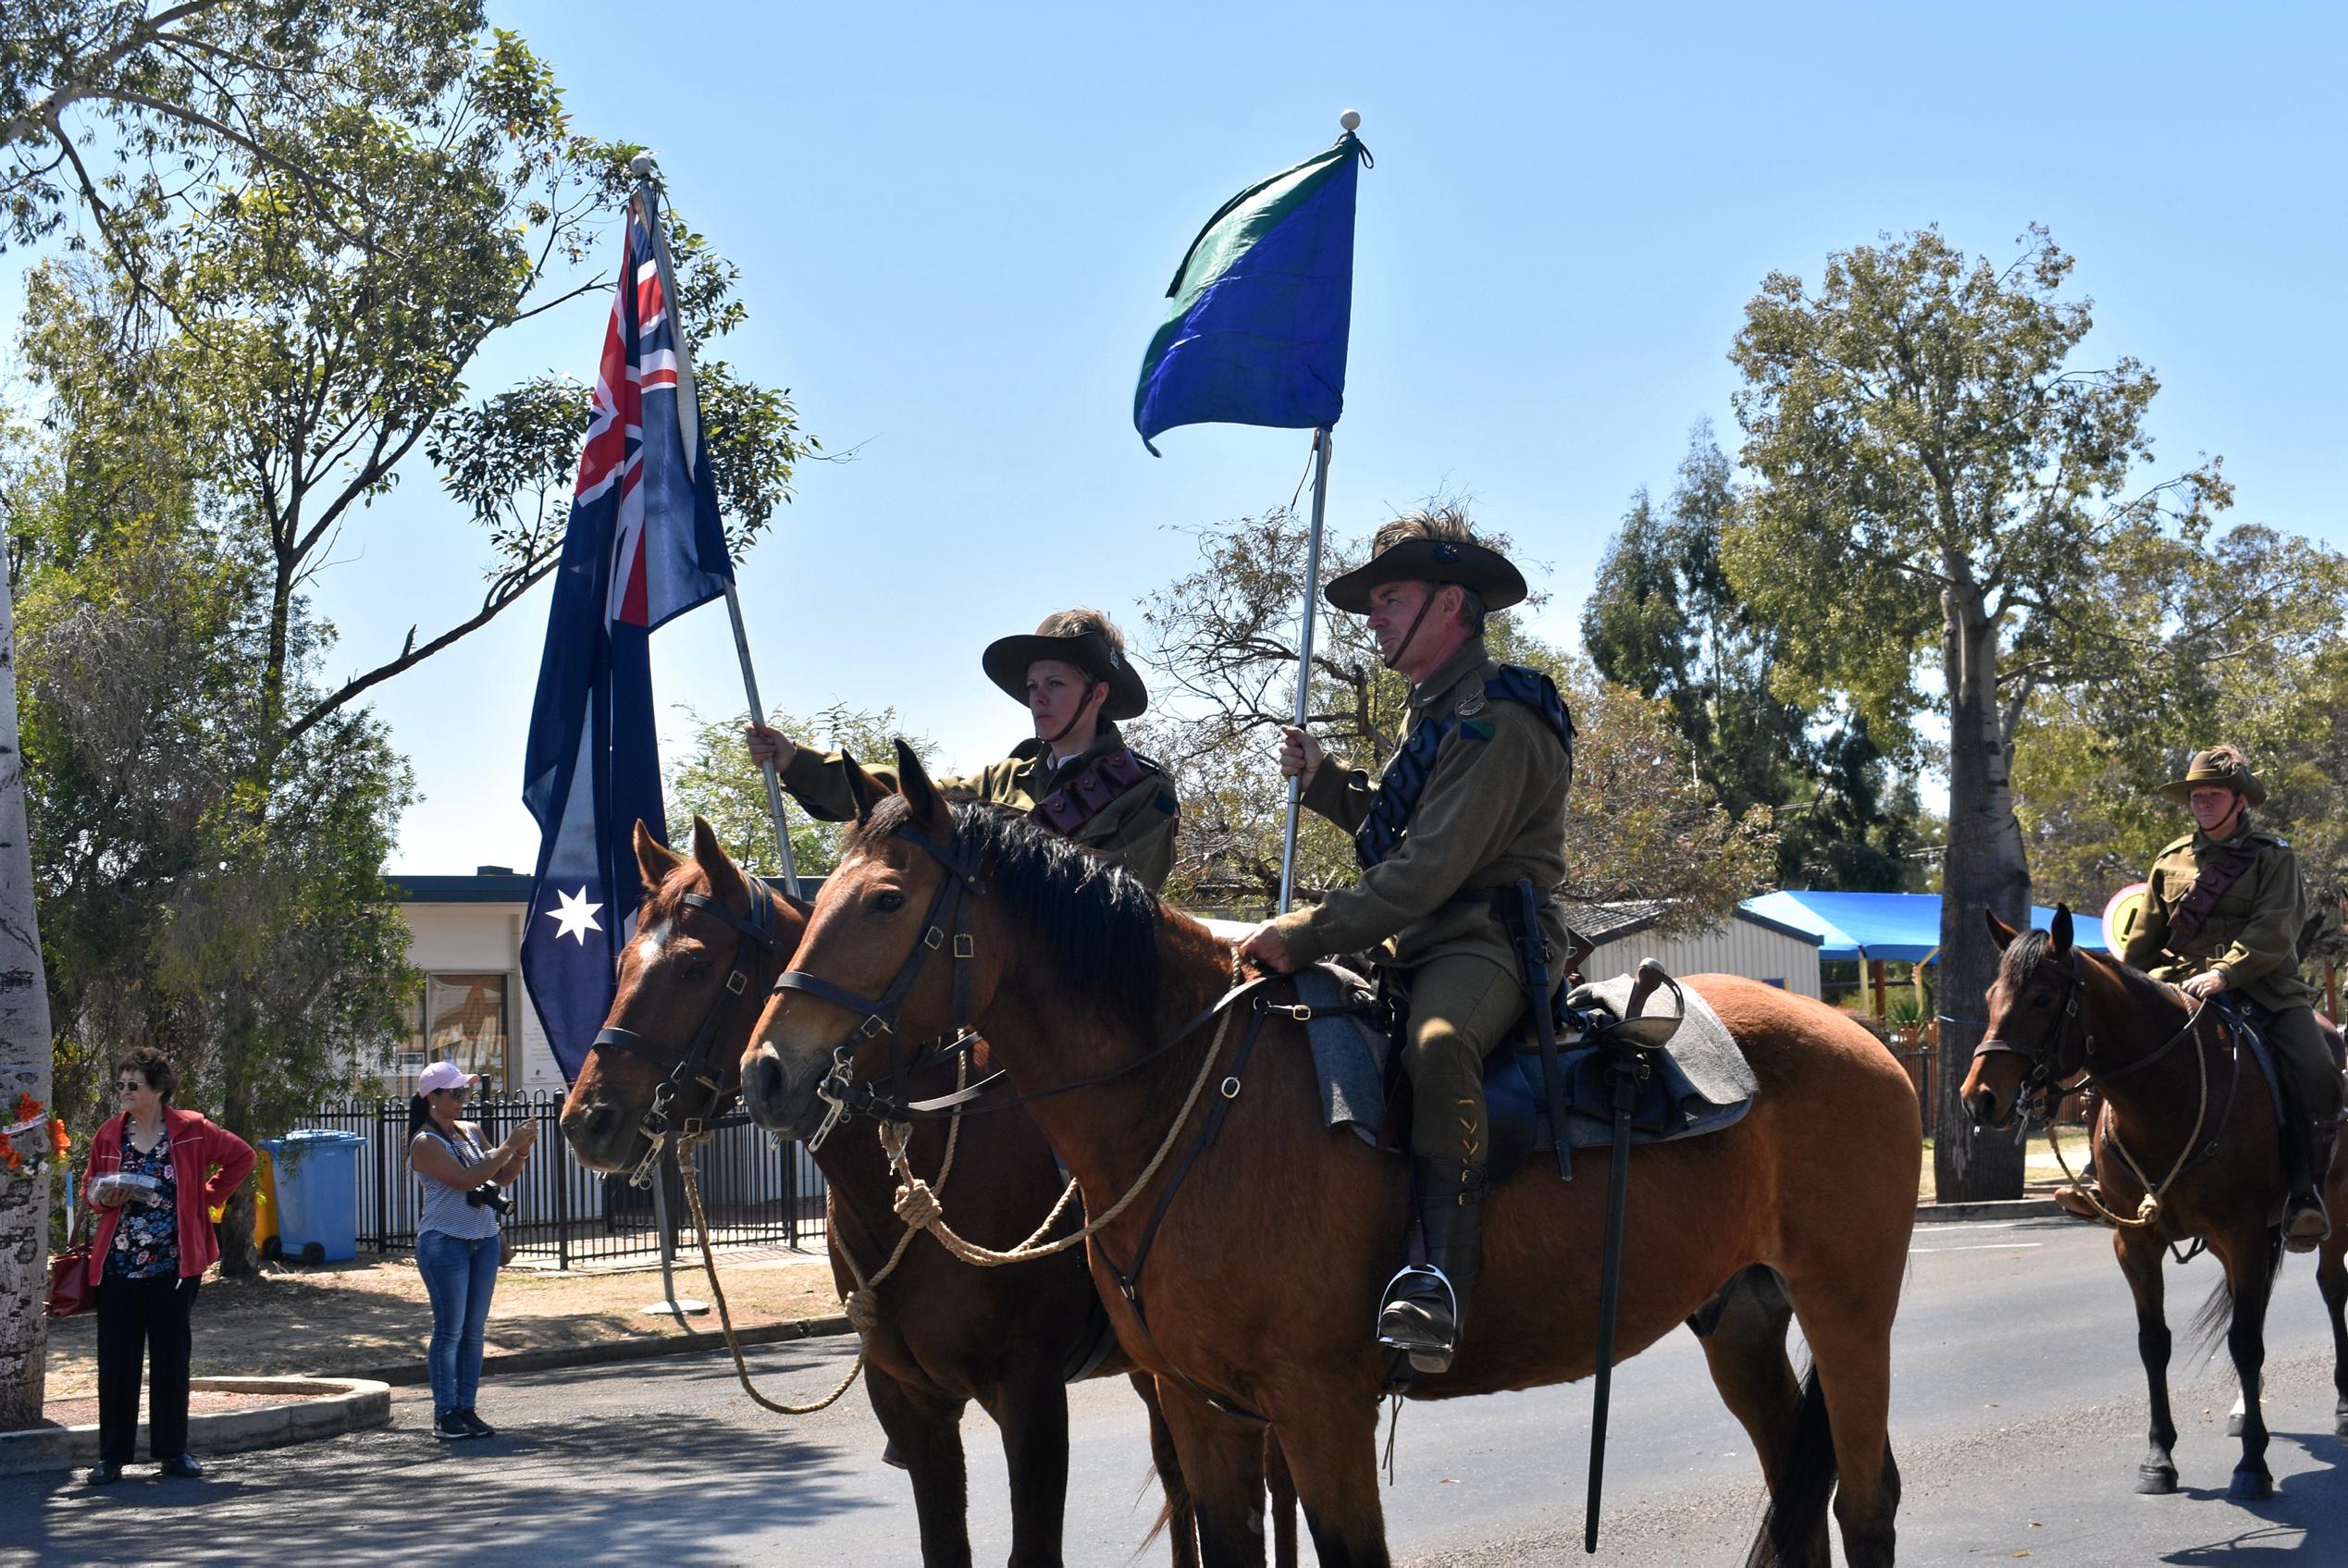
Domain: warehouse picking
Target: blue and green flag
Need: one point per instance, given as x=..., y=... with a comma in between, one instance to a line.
x=1262, y=306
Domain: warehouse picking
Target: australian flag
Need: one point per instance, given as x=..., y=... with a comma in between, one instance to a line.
x=643, y=545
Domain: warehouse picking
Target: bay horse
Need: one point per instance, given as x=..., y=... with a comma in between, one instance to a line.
x=2186, y=1121
x=945, y=1334
x=1262, y=1291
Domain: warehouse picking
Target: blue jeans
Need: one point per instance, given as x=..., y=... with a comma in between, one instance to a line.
x=459, y=1275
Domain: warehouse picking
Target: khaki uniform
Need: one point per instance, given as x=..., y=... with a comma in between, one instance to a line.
x=1493, y=811
x=1135, y=829
x=2250, y=936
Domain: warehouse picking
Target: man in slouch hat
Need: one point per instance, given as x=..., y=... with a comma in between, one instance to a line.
x=1076, y=775
x=2223, y=915
x=1472, y=803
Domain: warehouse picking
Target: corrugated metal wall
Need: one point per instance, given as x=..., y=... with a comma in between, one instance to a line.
x=1738, y=947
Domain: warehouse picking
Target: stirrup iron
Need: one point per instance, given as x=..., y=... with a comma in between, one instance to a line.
x=1427, y=1355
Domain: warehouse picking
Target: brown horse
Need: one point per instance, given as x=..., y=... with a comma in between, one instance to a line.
x=2186, y=1120
x=947, y=1334
x=1262, y=1286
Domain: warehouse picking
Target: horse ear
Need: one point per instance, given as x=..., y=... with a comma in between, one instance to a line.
x=929, y=807
x=2000, y=932
x=654, y=859
x=2061, y=930
x=725, y=878
x=863, y=789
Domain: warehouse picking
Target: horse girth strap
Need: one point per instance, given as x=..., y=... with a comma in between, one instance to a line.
x=1129, y=1280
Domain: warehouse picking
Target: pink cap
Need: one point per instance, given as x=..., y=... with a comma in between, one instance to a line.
x=444, y=1075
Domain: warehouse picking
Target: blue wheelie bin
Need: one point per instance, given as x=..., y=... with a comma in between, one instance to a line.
x=317, y=1193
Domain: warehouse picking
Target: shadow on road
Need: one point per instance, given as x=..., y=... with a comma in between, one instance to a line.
x=2318, y=1493
x=649, y=1489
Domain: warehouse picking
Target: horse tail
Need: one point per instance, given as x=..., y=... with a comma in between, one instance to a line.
x=1802, y=1483
x=2216, y=1314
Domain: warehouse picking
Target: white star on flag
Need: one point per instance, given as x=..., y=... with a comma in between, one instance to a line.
x=576, y=917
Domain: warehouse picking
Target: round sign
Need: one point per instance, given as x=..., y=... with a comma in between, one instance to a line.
x=2121, y=914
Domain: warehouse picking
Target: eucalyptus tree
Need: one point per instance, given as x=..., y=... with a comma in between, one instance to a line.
x=1958, y=510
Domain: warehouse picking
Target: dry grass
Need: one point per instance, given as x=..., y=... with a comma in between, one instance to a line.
x=350, y=1317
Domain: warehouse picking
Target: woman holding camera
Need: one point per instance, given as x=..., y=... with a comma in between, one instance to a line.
x=457, y=1242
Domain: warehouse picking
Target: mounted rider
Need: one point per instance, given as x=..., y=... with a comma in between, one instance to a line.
x=2224, y=913
x=1076, y=775
x=1472, y=803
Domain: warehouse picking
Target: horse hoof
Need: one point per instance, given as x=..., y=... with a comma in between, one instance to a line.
x=2153, y=1480
x=2250, y=1486
x=2233, y=1424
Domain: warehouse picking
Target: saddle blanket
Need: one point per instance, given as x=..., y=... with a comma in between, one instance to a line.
x=1702, y=1081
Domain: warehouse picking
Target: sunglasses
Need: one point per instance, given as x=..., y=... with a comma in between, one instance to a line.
x=459, y=1094
x=129, y=1086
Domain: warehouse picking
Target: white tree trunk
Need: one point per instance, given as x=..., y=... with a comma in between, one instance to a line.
x=24, y=1070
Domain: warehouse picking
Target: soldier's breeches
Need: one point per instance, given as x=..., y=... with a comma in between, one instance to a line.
x=1462, y=1007
x=2303, y=1059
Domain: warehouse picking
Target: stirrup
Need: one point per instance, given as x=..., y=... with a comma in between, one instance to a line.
x=2298, y=1236
x=1429, y=1353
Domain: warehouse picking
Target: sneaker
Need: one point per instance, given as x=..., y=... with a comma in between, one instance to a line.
x=448, y=1428
x=473, y=1423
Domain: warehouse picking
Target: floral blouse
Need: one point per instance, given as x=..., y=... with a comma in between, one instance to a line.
x=146, y=1238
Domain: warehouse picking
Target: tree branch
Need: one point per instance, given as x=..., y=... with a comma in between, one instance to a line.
x=412, y=654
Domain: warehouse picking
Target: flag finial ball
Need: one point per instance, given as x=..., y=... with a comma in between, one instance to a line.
x=1351, y=119
x=641, y=165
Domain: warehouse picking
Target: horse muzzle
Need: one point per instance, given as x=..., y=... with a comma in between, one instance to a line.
x=602, y=1135
x=783, y=1102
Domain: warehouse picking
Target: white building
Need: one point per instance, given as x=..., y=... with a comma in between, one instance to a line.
x=1745, y=944
x=466, y=934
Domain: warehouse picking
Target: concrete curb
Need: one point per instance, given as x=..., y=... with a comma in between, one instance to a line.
x=324, y=1407
x=411, y=1373
x=1999, y=1208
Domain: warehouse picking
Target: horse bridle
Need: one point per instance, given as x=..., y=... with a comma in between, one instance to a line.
x=949, y=912
x=700, y=1065
x=2044, y=1085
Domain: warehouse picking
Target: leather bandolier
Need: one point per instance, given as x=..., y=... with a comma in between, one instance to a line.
x=2223, y=865
x=1085, y=796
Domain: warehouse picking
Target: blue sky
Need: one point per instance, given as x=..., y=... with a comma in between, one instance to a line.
x=955, y=225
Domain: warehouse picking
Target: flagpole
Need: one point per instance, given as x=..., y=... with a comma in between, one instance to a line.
x=642, y=169
x=1321, y=445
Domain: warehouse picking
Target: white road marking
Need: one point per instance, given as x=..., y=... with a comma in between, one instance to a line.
x=1981, y=1247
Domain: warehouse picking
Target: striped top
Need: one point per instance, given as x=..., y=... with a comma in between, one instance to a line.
x=445, y=1209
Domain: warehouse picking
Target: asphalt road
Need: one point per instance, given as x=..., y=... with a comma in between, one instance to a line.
x=2018, y=1418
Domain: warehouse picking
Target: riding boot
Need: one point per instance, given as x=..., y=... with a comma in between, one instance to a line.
x=2306, y=1221
x=1425, y=1308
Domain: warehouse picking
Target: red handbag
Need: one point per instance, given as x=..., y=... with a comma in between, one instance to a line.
x=70, y=1291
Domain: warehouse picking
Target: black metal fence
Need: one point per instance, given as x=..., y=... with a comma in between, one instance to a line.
x=756, y=1190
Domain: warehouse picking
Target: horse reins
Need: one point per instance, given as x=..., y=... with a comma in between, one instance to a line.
x=2047, y=1090
x=916, y=1203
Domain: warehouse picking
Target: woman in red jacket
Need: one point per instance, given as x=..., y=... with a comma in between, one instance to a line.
x=155, y=1175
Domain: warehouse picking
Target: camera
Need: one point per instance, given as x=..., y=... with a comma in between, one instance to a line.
x=488, y=1197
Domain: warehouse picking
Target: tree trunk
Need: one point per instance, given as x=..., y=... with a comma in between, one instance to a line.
x=238, y=1257
x=25, y=1048
x=1982, y=867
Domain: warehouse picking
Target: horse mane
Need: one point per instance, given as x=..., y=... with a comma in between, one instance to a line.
x=1098, y=925
x=2030, y=951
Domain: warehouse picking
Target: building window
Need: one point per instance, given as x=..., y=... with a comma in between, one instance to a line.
x=462, y=1018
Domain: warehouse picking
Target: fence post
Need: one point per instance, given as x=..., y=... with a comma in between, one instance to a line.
x=383, y=1169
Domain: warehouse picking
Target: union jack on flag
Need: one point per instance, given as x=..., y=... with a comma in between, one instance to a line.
x=643, y=545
